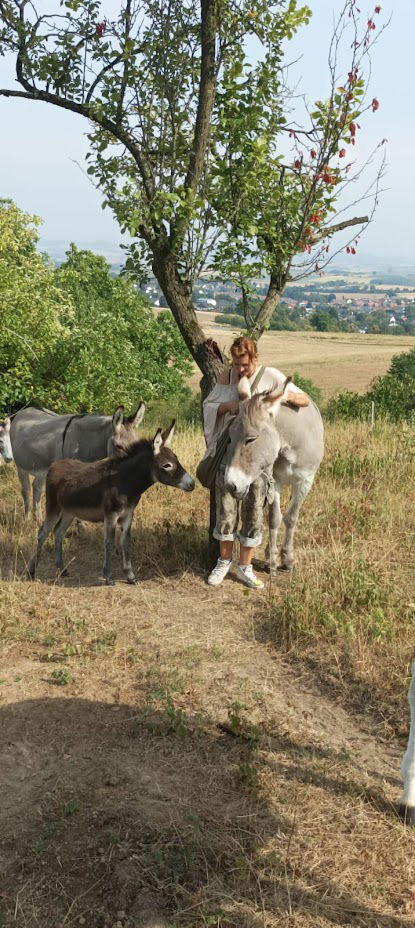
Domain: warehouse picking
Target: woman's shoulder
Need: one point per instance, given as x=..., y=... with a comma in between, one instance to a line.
x=223, y=377
x=274, y=372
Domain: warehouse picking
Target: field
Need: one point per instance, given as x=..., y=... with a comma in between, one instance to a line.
x=334, y=361
x=175, y=755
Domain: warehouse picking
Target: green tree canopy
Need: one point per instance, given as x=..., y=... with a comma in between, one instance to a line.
x=116, y=350
x=192, y=141
x=75, y=338
x=34, y=312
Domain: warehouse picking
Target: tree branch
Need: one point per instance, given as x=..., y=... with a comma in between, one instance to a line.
x=338, y=226
x=104, y=70
x=207, y=88
x=126, y=63
x=276, y=285
x=88, y=111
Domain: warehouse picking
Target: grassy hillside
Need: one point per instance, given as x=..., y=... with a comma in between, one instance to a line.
x=334, y=361
x=175, y=755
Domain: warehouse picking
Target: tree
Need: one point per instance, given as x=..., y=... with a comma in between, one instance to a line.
x=34, y=312
x=323, y=321
x=115, y=349
x=186, y=135
x=75, y=337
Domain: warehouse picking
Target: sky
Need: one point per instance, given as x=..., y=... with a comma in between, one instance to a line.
x=42, y=148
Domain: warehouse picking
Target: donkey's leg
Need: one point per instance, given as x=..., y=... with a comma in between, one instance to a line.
x=43, y=533
x=125, y=536
x=301, y=485
x=37, y=489
x=407, y=800
x=60, y=531
x=110, y=523
x=274, y=521
x=25, y=488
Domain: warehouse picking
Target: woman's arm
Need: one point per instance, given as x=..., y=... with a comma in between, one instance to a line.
x=232, y=407
x=297, y=399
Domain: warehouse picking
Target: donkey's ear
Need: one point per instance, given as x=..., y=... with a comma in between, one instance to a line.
x=7, y=423
x=157, y=442
x=137, y=416
x=244, y=389
x=117, y=419
x=168, y=433
x=273, y=400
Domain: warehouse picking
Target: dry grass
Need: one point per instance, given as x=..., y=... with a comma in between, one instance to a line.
x=123, y=802
x=334, y=361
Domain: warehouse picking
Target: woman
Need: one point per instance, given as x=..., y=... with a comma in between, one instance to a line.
x=221, y=404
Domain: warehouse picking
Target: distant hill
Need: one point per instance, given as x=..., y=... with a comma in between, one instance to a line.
x=114, y=254
x=361, y=262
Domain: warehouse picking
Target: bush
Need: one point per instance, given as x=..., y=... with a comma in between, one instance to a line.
x=348, y=405
x=393, y=395
x=230, y=319
x=76, y=338
x=309, y=387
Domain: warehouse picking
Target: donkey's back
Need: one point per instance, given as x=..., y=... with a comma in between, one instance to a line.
x=302, y=441
x=40, y=437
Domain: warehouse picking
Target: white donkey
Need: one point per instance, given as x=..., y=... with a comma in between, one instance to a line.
x=269, y=433
x=5, y=444
x=407, y=800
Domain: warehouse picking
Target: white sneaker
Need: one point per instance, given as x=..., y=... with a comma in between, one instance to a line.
x=247, y=576
x=219, y=572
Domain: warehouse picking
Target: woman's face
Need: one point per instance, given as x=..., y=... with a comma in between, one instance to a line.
x=243, y=365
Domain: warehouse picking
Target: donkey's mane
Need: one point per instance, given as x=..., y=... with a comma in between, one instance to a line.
x=253, y=405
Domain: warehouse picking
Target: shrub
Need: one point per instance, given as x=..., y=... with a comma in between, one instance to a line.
x=393, y=395
x=309, y=387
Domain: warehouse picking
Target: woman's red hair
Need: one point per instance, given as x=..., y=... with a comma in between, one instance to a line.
x=244, y=345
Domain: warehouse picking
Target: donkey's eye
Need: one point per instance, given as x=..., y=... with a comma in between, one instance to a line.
x=167, y=466
x=249, y=440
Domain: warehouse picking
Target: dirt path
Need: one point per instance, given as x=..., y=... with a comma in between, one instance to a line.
x=163, y=765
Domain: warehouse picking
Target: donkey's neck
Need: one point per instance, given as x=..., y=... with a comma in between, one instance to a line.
x=136, y=467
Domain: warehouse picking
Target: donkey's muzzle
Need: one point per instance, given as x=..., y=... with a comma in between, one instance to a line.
x=236, y=482
x=187, y=483
x=235, y=491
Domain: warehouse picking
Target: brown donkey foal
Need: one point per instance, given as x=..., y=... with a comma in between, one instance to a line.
x=108, y=491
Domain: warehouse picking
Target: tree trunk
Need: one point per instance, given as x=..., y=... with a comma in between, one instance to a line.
x=265, y=312
x=177, y=292
x=205, y=351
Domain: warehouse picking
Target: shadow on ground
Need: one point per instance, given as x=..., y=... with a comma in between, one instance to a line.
x=114, y=814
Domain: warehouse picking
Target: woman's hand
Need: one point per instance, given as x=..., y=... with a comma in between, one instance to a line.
x=232, y=407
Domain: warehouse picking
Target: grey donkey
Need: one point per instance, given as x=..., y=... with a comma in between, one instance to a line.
x=5, y=444
x=269, y=433
x=39, y=437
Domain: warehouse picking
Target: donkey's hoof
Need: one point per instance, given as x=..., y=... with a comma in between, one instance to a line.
x=407, y=814
x=132, y=580
x=271, y=569
x=63, y=572
x=109, y=581
x=286, y=566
